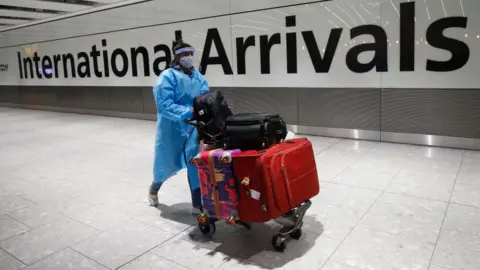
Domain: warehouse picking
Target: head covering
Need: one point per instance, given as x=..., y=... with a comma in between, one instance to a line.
x=179, y=47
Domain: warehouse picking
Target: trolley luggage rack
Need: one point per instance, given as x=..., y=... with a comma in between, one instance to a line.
x=291, y=222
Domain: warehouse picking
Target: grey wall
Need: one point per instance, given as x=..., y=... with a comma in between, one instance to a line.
x=445, y=112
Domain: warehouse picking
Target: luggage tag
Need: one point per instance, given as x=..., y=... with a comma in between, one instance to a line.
x=254, y=194
x=290, y=136
x=251, y=192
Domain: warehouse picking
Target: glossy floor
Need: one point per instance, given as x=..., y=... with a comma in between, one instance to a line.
x=73, y=196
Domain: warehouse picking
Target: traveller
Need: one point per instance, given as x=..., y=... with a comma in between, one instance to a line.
x=176, y=142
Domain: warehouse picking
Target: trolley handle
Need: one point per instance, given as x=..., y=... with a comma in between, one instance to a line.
x=191, y=122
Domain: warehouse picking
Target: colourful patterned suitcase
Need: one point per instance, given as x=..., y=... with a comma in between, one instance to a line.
x=218, y=184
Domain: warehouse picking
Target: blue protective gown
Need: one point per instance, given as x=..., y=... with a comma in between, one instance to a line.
x=176, y=142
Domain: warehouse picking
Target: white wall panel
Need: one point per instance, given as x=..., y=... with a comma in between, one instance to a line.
x=320, y=19
x=147, y=37
x=248, y=5
x=43, y=5
x=138, y=15
x=194, y=33
x=317, y=19
x=427, y=12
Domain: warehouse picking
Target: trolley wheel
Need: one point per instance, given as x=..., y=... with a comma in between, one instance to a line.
x=244, y=224
x=207, y=228
x=297, y=234
x=278, y=243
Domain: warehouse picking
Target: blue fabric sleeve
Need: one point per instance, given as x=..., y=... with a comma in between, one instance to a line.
x=164, y=92
x=204, y=87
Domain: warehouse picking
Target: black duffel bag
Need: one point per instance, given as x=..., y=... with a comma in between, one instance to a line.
x=210, y=110
x=253, y=131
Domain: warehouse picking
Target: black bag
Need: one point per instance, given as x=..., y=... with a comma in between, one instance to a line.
x=253, y=131
x=210, y=111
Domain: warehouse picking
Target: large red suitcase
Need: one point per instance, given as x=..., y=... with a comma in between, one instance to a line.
x=276, y=180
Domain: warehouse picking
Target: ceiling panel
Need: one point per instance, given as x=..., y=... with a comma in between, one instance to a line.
x=137, y=15
x=44, y=5
x=24, y=14
x=10, y=21
x=106, y=1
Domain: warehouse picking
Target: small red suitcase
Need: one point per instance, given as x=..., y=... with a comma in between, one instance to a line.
x=276, y=180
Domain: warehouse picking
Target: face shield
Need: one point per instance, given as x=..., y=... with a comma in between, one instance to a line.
x=188, y=57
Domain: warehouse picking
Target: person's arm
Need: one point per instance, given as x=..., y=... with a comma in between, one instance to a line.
x=164, y=93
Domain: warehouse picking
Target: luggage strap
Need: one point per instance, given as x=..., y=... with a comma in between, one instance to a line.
x=237, y=183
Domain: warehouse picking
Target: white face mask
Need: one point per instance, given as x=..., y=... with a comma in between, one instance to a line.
x=187, y=61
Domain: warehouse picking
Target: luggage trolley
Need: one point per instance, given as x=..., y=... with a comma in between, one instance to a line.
x=291, y=222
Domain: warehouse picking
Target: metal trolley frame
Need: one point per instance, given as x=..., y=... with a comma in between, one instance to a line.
x=291, y=221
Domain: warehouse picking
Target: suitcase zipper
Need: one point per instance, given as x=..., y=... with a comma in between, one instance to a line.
x=284, y=172
x=264, y=207
x=211, y=161
x=287, y=183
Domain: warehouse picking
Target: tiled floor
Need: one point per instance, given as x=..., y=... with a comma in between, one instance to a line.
x=73, y=196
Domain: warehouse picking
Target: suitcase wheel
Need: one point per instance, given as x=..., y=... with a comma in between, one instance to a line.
x=297, y=234
x=278, y=243
x=207, y=228
x=231, y=221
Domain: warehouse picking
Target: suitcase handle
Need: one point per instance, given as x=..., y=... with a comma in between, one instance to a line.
x=265, y=150
x=195, y=123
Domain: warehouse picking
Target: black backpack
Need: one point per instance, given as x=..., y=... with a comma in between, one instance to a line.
x=210, y=111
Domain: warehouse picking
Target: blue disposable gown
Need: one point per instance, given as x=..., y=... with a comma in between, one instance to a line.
x=176, y=142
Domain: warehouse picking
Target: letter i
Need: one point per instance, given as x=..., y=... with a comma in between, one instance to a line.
x=290, y=21
x=105, y=59
x=20, y=68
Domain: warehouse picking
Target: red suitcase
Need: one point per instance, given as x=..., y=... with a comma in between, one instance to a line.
x=275, y=181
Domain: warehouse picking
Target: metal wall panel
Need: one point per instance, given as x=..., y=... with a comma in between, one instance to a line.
x=340, y=108
x=96, y=98
x=445, y=112
x=126, y=99
x=148, y=102
x=443, y=117
x=9, y=93
x=275, y=100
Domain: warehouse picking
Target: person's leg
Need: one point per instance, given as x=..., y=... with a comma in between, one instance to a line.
x=194, y=182
x=159, y=177
x=191, y=150
x=153, y=193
